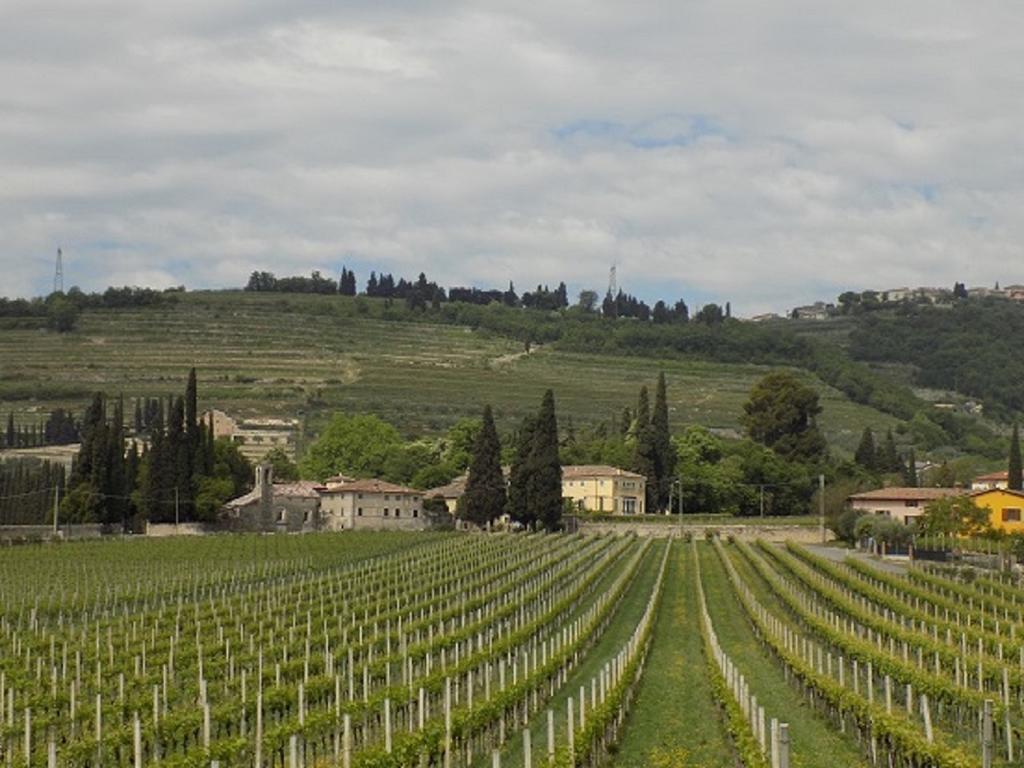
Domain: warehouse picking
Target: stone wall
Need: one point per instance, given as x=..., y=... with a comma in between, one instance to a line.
x=799, y=533
x=43, y=532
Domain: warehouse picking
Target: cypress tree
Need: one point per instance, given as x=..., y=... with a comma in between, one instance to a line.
x=191, y=422
x=664, y=451
x=627, y=422
x=911, y=476
x=544, y=475
x=1015, y=476
x=12, y=435
x=890, y=457
x=138, y=417
x=115, y=486
x=518, y=505
x=485, y=498
x=866, y=455
x=644, y=450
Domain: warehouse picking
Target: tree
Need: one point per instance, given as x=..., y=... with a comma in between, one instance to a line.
x=781, y=414
x=61, y=314
x=284, y=469
x=889, y=457
x=353, y=445
x=645, y=459
x=544, y=470
x=954, y=516
x=587, y=301
x=866, y=455
x=664, y=450
x=910, y=479
x=518, y=498
x=12, y=434
x=1015, y=476
x=484, y=499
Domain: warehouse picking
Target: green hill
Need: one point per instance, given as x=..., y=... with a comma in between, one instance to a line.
x=308, y=355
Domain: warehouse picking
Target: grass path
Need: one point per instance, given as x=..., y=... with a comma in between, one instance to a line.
x=814, y=742
x=624, y=622
x=674, y=721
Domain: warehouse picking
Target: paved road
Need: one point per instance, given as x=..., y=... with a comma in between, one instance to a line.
x=838, y=554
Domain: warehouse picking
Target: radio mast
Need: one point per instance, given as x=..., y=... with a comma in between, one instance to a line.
x=58, y=275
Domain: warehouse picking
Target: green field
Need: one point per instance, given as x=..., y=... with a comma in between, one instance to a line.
x=306, y=356
x=401, y=650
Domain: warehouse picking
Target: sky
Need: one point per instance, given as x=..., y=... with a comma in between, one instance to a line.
x=762, y=153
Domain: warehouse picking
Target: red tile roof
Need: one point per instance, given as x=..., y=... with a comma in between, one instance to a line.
x=371, y=486
x=907, y=494
x=577, y=471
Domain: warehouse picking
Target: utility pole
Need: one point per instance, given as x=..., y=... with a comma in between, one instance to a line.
x=821, y=504
x=175, y=509
x=762, y=499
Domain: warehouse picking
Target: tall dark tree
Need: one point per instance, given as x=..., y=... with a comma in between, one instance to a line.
x=484, y=500
x=645, y=454
x=664, y=451
x=518, y=502
x=1015, y=476
x=544, y=475
x=12, y=434
x=192, y=432
x=889, y=458
x=782, y=415
x=866, y=455
x=911, y=476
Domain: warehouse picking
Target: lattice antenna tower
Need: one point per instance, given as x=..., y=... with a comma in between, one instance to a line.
x=58, y=275
x=613, y=282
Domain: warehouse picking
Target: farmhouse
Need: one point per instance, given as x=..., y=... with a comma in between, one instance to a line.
x=601, y=488
x=339, y=504
x=901, y=504
x=371, y=504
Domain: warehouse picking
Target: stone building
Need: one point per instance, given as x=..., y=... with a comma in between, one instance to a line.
x=274, y=507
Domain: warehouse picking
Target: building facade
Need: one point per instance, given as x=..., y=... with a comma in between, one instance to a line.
x=904, y=505
x=601, y=488
x=371, y=505
x=1005, y=508
x=274, y=507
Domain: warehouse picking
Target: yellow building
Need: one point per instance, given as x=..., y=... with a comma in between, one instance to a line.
x=600, y=488
x=1006, y=508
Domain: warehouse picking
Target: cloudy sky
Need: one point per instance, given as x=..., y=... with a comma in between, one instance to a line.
x=765, y=153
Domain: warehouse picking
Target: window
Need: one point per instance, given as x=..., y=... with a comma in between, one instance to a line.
x=910, y=503
x=1011, y=515
x=398, y=512
x=629, y=506
x=360, y=495
x=415, y=513
x=359, y=512
x=386, y=497
x=385, y=511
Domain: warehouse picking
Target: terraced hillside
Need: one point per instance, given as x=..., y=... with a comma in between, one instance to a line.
x=305, y=356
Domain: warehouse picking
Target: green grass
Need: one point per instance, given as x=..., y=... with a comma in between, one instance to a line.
x=814, y=742
x=674, y=722
x=614, y=637
x=307, y=356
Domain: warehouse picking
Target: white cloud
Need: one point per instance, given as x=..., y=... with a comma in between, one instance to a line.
x=762, y=153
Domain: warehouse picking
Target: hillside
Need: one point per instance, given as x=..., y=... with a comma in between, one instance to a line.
x=292, y=355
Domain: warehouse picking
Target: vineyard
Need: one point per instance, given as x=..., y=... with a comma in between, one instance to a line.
x=386, y=650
